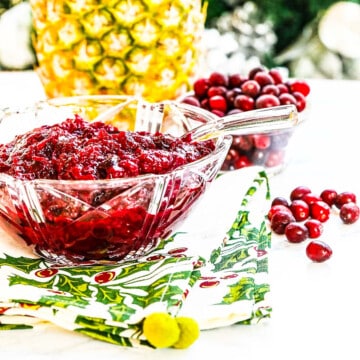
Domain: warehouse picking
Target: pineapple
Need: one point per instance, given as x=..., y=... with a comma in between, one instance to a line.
x=150, y=48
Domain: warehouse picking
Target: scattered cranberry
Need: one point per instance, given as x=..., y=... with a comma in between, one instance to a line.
x=296, y=232
x=300, y=209
x=320, y=210
x=318, y=251
x=280, y=220
x=280, y=201
x=329, y=196
x=349, y=213
x=311, y=198
x=277, y=208
x=315, y=228
x=304, y=217
x=343, y=198
x=299, y=192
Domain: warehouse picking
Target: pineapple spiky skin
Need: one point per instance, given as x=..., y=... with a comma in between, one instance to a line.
x=151, y=48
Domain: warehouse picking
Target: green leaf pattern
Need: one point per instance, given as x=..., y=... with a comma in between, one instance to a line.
x=109, y=302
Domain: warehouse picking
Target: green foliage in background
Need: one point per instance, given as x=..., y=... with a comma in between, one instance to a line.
x=288, y=16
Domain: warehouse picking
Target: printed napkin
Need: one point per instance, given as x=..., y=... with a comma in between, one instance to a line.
x=214, y=268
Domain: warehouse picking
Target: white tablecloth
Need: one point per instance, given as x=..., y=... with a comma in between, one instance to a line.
x=315, y=306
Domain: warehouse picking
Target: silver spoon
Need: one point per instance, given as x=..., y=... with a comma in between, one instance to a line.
x=150, y=117
x=248, y=122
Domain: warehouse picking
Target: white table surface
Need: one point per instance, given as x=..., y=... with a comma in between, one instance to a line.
x=315, y=306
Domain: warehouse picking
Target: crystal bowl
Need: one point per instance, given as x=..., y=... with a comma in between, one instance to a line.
x=71, y=222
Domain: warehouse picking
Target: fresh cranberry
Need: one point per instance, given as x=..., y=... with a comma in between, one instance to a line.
x=230, y=96
x=343, y=198
x=300, y=209
x=276, y=75
x=244, y=142
x=283, y=89
x=251, y=88
x=260, y=88
x=300, y=86
x=329, y=196
x=318, y=251
x=261, y=141
x=275, y=158
x=254, y=71
x=235, y=80
x=311, y=197
x=263, y=78
x=244, y=102
x=204, y=103
x=234, y=111
x=315, y=228
x=201, y=87
x=267, y=100
x=287, y=99
x=278, y=208
x=300, y=101
x=218, y=79
x=280, y=200
x=320, y=210
x=242, y=161
x=299, y=192
x=296, y=232
x=216, y=90
x=218, y=102
x=218, y=113
x=191, y=100
x=349, y=213
x=280, y=220
x=270, y=89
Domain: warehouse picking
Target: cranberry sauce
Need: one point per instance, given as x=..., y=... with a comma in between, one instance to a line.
x=79, y=150
x=85, y=221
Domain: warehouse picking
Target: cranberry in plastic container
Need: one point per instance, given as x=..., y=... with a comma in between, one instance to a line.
x=259, y=88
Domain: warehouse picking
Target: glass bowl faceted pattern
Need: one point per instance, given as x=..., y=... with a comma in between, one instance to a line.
x=90, y=221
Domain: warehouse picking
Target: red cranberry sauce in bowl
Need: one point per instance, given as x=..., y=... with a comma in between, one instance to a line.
x=85, y=192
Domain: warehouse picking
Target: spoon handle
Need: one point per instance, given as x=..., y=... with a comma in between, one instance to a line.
x=247, y=122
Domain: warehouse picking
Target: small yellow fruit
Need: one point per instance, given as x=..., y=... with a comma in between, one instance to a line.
x=189, y=332
x=161, y=330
